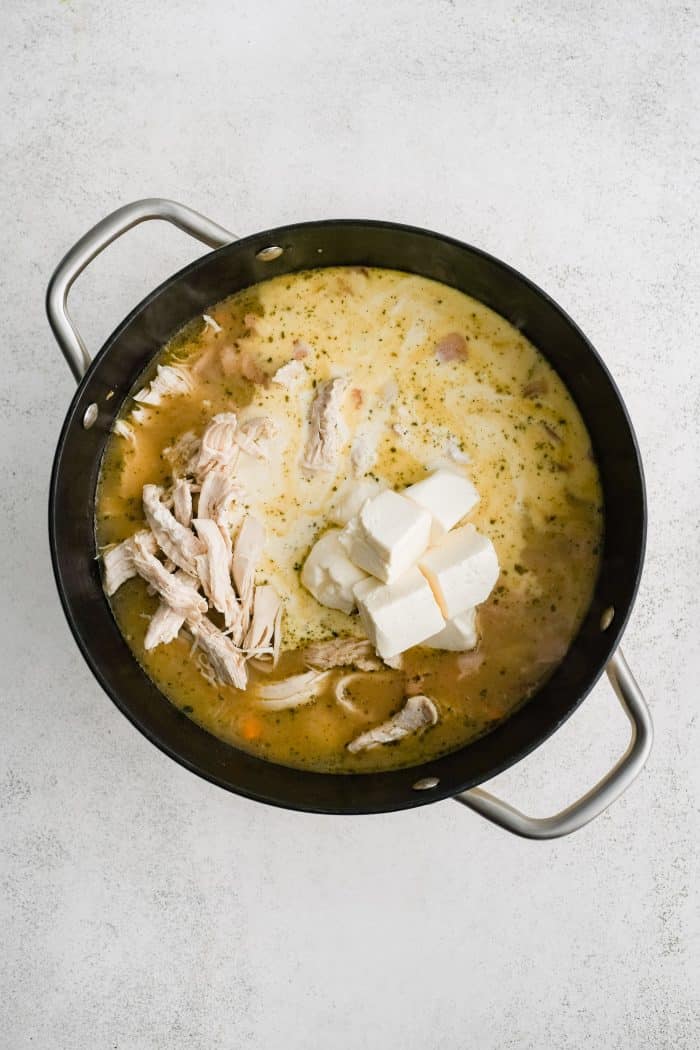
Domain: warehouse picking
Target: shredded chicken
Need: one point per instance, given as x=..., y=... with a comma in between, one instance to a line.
x=218, y=493
x=418, y=713
x=166, y=622
x=118, y=562
x=265, y=624
x=124, y=429
x=182, y=598
x=342, y=652
x=182, y=456
x=214, y=570
x=363, y=455
x=175, y=561
x=178, y=544
x=340, y=693
x=246, y=555
x=291, y=692
x=326, y=426
x=169, y=379
x=226, y=661
x=209, y=322
x=253, y=435
x=218, y=446
x=290, y=374
x=182, y=502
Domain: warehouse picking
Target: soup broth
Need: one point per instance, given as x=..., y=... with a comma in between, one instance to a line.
x=434, y=380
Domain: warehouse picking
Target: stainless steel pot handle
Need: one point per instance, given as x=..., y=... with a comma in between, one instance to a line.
x=96, y=240
x=595, y=801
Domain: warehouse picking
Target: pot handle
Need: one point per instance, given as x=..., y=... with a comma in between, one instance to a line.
x=595, y=801
x=96, y=240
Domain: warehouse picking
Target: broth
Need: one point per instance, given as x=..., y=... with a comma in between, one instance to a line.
x=499, y=414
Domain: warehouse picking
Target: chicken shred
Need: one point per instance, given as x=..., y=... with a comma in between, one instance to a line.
x=175, y=561
x=218, y=446
x=182, y=456
x=253, y=435
x=169, y=379
x=290, y=374
x=118, y=562
x=418, y=713
x=166, y=622
x=226, y=661
x=182, y=502
x=294, y=691
x=178, y=544
x=246, y=555
x=218, y=493
x=264, y=624
x=209, y=322
x=363, y=455
x=342, y=652
x=214, y=570
x=124, y=429
x=326, y=426
x=182, y=598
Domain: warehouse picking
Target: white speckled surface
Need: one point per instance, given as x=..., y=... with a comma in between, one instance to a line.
x=143, y=909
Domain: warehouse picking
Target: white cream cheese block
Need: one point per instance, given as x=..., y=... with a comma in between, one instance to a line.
x=447, y=496
x=398, y=615
x=459, y=635
x=388, y=535
x=462, y=570
x=329, y=574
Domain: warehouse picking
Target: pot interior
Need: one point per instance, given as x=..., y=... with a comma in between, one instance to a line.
x=217, y=276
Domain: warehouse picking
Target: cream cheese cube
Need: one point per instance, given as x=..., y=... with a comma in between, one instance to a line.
x=329, y=574
x=351, y=498
x=388, y=535
x=459, y=635
x=462, y=571
x=447, y=495
x=398, y=615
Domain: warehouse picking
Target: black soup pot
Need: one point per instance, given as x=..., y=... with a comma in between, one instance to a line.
x=234, y=264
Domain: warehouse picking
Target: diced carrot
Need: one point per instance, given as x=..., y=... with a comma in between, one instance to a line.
x=251, y=727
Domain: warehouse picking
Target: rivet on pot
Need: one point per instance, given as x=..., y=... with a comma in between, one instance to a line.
x=426, y=783
x=607, y=618
x=268, y=254
x=90, y=415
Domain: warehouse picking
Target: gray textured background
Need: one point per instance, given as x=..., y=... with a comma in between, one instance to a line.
x=144, y=909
